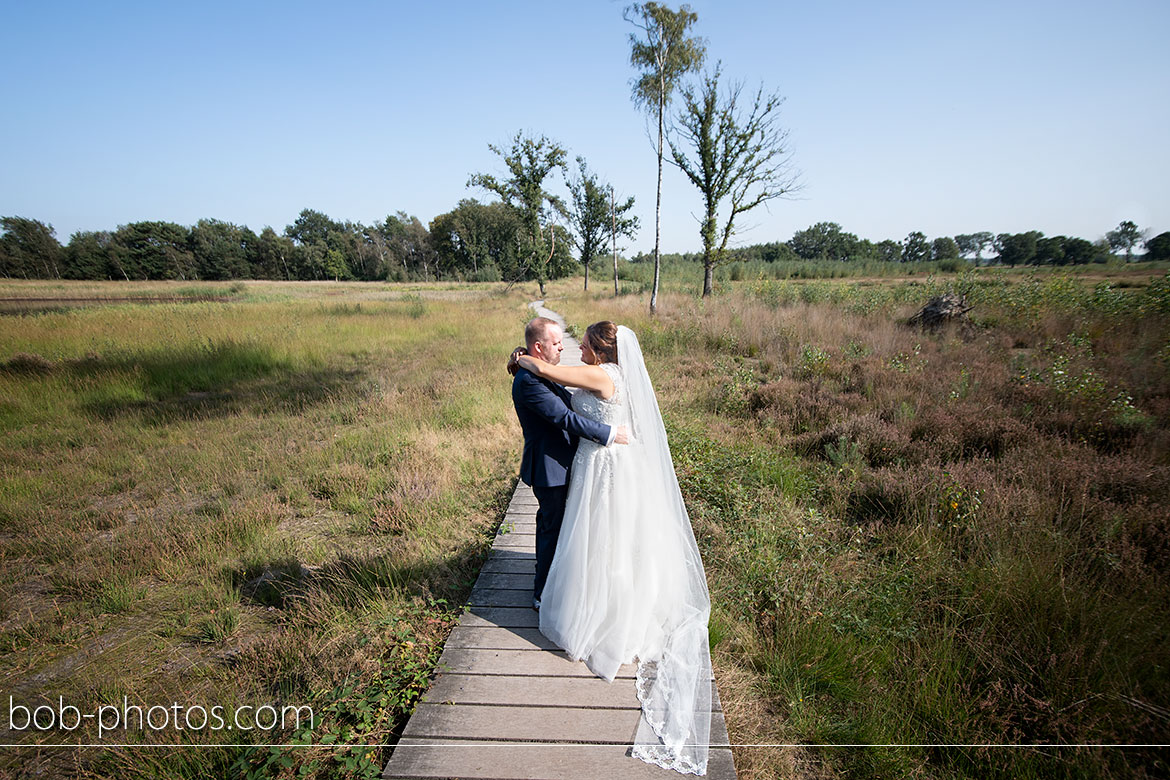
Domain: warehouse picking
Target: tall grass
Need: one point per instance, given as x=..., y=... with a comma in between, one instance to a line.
x=917, y=538
x=280, y=499
x=683, y=275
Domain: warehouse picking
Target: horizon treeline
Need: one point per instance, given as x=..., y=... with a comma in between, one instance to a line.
x=826, y=241
x=472, y=242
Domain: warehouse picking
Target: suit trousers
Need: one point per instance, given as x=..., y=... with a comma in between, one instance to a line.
x=551, y=512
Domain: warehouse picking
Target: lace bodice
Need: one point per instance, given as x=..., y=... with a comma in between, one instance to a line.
x=611, y=412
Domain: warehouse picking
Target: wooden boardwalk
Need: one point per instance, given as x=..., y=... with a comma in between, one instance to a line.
x=507, y=703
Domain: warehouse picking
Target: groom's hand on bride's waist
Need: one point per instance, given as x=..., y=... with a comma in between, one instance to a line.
x=622, y=436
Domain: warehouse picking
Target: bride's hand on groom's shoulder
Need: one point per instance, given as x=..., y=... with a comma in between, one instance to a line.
x=513, y=365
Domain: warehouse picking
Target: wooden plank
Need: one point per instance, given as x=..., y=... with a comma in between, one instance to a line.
x=515, y=520
x=536, y=691
x=516, y=539
x=528, y=691
x=509, y=566
x=520, y=690
x=524, y=527
x=515, y=542
x=504, y=580
x=507, y=617
x=540, y=663
x=581, y=725
x=524, y=724
x=529, y=532
x=431, y=758
x=497, y=638
x=504, y=535
x=498, y=597
x=499, y=552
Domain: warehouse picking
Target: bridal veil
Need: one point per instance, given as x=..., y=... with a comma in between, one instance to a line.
x=674, y=676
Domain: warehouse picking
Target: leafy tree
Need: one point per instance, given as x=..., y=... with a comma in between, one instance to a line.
x=497, y=242
x=272, y=256
x=973, y=245
x=360, y=256
x=594, y=224
x=915, y=248
x=561, y=262
x=774, y=252
x=889, y=251
x=966, y=244
x=944, y=248
x=1078, y=251
x=154, y=250
x=88, y=256
x=1158, y=247
x=1017, y=248
x=619, y=226
x=739, y=161
x=1050, y=251
x=311, y=232
x=530, y=161
x=410, y=246
x=864, y=249
x=1125, y=237
x=984, y=240
x=824, y=240
x=29, y=248
x=477, y=240
x=334, y=266
x=394, y=242
x=663, y=56
x=454, y=252
x=220, y=249
x=311, y=226
x=332, y=249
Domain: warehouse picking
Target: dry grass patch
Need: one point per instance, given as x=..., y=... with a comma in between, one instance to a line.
x=260, y=501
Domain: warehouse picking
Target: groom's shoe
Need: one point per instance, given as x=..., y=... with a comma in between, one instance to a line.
x=536, y=604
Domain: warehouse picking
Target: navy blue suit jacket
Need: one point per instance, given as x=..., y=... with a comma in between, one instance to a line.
x=551, y=429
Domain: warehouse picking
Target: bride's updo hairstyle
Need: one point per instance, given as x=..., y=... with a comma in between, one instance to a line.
x=602, y=339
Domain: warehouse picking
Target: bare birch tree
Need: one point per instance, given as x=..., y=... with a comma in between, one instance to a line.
x=738, y=159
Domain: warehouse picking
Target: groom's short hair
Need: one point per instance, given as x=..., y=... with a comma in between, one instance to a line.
x=536, y=330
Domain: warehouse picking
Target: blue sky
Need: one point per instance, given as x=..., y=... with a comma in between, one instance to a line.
x=940, y=117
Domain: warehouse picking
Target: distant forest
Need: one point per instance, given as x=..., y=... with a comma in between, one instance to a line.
x=472, y=242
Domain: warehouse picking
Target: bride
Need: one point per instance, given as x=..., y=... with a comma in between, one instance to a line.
x=627, y=581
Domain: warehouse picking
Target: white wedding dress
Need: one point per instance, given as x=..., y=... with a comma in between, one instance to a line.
x=627, y=582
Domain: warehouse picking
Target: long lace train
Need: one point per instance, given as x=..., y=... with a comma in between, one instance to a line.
x=627, y=581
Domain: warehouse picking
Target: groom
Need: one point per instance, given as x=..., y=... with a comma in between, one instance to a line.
x=551, y=430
